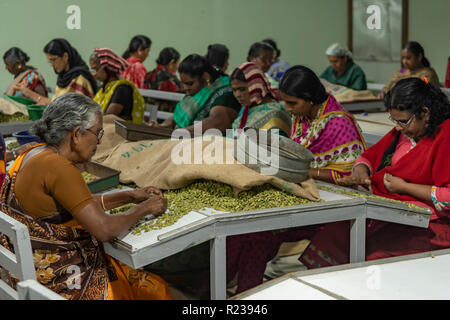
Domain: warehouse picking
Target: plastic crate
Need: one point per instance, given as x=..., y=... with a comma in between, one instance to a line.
x=35, y=111
x=107, y=177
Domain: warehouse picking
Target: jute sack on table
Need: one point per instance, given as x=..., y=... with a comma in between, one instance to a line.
x=110, y=138
x=173, y=164
x=9, y=107
x=344, y=94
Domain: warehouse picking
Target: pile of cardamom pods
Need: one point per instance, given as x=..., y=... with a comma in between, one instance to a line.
x=88, y=177
x=16, y=117
x=215, y=195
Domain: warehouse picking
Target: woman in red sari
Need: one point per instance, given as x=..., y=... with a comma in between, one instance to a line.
x=138, y=50
x=410, y=164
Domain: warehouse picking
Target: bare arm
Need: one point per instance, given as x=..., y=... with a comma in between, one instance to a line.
x=105, y=227
x=395, y=184
x=114, y=108
x=168, y=123
x=320, y=174
x=117, y=199
x=36, y=97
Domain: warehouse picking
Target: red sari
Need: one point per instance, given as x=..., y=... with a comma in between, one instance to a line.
x=135, y=72
x=427, y=164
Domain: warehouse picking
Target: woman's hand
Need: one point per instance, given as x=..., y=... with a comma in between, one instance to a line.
x=153, y=123
x=145, y=193
x=381, y=95
x=155, y=205
x=360, y=175
x=394, y=184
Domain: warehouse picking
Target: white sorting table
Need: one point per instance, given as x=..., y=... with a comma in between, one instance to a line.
x=410, y=277
x=364, y=105
x=198, y=227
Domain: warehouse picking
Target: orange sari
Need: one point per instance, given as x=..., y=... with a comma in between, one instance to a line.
x=56, y=246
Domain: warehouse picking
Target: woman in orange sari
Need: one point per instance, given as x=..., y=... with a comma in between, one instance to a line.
x=45, y=190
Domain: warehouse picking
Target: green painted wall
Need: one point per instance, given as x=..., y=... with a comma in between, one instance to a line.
x=302, y=28
x=428, y=24
x=189, y=26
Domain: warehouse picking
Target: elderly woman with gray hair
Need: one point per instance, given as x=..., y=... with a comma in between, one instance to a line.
x=342, y=70
x=45, y=190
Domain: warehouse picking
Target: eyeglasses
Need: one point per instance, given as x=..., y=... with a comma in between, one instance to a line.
x=99, y=135
x=402, y=123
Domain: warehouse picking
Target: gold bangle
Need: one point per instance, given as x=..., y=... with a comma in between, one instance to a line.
x=103, y=203
x=318, y=172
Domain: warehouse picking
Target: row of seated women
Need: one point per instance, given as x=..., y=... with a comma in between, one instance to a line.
x=73, y=74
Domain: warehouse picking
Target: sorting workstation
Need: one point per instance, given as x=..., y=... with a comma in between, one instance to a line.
x=202, y=156
x=211, y=225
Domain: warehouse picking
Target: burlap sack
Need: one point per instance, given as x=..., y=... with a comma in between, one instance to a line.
x=167, y=164
x=9, y=107
x=344, y=94
x=110, y=138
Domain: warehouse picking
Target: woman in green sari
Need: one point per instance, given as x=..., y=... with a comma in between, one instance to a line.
x=209, y=98
x=261, y=110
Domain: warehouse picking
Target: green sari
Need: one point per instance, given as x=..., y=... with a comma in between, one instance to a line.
x=268, y=116
x=197, y=107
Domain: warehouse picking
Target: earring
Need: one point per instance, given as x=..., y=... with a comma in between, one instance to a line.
x=208, y=82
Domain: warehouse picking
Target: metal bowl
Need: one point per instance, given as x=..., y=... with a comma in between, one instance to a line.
x=269, y=153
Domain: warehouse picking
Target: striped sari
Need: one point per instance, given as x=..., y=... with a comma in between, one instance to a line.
x=333, y=137
x=79, y=85
x=268, y=116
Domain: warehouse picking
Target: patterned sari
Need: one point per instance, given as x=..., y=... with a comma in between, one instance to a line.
x=268, y=116
x=59, y=251
x=333, y=137
x=103, y=97
x=79, y=85
x=197, y=107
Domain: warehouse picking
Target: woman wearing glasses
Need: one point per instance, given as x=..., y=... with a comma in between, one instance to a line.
x=410, y=164
x=45, y=190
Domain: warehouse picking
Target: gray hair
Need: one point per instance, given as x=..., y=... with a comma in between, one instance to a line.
x=338, y=50
x=63, y=115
